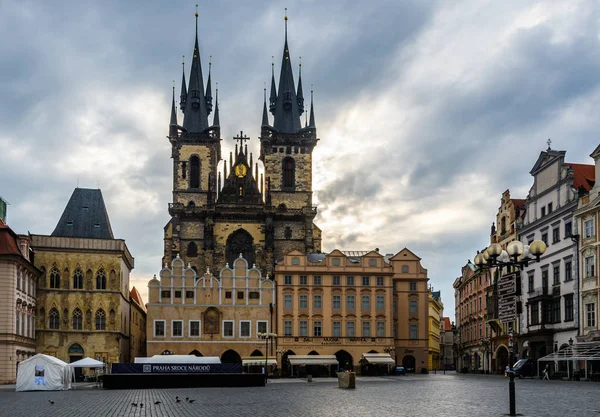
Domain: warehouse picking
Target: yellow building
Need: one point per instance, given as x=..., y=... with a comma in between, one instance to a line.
x=207, y=315
x=137, y=325
x=17, y=309
x=587, y=223
x=83, y=293
x=347, y=305
x=436, y=311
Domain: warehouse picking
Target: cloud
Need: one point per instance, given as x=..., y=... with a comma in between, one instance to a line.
x=426, y=112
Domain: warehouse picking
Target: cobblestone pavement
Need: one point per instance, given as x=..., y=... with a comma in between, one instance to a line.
x=416, y=395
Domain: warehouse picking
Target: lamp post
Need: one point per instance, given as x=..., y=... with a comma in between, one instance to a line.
x=519, y=256
x=281, y=352
x=267, y=336
x=390, y=350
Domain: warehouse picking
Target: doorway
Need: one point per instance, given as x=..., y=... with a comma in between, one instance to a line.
x=75, y=354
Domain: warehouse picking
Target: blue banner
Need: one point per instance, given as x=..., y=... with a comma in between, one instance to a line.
x=174, y=368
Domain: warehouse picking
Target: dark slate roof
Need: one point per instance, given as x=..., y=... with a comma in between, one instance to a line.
x=287, y=117
x=436, y=295
x=85, y=216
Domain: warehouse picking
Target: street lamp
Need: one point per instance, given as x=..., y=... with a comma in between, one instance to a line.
x=516, y=255
x=390, y=350
x=267, y=336
x=281, y=352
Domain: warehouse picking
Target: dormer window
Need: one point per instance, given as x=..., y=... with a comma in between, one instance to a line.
x=97, y=225
x=70, y=224
x=85, y=208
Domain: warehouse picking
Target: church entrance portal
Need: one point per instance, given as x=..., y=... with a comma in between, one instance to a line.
x=240, y=242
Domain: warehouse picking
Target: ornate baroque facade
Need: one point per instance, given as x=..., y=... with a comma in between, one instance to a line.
x=351, y=304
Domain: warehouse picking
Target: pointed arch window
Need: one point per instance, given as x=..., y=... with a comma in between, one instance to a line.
x=78, y=279
x=77, y=319
x=100, y=320
x=55, y=278
x=194, y=172
x=289, y=172
x=101, y=280
x=192, y=249
x=54, y=317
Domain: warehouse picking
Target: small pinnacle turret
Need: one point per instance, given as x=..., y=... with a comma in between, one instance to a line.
x=265, y=115
x=208, y=96
x=173, y=121
x=300, y=94
x=273, y=96
x=216, y=120
x=312, y=112
x=183, y=96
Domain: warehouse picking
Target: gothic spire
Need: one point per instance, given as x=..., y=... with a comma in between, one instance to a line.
x=300, y=94
x=196, y=116
x=273, y=96
x=209, y=89
x=173, y=122
x=216, y=120
x=312, y=112
x=287, y=112
x=183, y=96
x=265, y=117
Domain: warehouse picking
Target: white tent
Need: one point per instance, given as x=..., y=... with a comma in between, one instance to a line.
x=87, y=363
x=43, y=373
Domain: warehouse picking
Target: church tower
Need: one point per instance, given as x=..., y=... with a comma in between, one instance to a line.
x=218, y=216
x=286, y=152
x=196, y=152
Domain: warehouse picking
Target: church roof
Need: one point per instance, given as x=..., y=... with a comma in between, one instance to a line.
x=85, y=216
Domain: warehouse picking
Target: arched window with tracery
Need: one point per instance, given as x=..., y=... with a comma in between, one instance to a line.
x=100, y=319
x=192, y=249
x=77, y=319
x=78, y=279
x=54, y=319
x=194, y=172
x=55, y=278
x=101, y=280
x=289, y=172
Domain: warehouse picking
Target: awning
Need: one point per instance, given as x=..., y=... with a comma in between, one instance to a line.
x=312, y=360
x=258, y=361
x=379, y=358
x=87, y=363
x=585, y=351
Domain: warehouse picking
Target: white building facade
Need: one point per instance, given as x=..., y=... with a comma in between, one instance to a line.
x=550, y=288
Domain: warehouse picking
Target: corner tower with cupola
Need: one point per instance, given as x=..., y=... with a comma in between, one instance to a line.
x=219, y=213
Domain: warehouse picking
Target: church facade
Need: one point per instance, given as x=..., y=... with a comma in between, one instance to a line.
x=221, y=207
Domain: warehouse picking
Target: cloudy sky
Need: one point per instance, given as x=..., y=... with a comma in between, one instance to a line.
x=426, y=111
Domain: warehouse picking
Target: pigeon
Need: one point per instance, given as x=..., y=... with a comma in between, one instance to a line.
x=51, y=402
x=191, y=401
x=134, y=404
x=156, y=402
x=142, y=405
x=177, y=400
x=187, y=398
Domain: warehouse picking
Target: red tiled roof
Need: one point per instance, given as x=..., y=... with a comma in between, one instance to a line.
x=447, y=324
x=585, y=175
x=518, y=202
x=135, y=295
x=8, y=241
